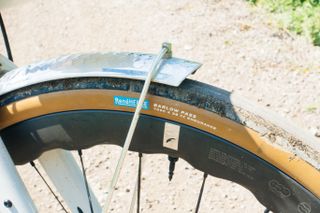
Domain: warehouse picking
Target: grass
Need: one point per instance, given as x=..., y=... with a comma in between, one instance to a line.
x=299, y=16
x=311, y=109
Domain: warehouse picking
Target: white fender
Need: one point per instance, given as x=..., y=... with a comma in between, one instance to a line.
x=172, y=71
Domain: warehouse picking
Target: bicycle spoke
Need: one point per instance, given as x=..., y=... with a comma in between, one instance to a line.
x=205, y=175
x=172, y=164
x=5, y=38
x=85, y=180
x=52, y=192
x=139, y=183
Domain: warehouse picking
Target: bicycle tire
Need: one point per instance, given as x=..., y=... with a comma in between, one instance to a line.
x=244, y=144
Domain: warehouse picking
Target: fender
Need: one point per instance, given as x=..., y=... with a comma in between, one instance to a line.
x=172, y=71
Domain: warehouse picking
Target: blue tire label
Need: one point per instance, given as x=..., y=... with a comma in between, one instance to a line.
x=130, y=102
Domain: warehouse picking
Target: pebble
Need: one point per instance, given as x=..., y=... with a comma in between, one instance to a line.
x=187, y=47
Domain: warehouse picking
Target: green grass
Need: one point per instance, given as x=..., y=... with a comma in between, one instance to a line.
x=311, y=109
x=299, y=16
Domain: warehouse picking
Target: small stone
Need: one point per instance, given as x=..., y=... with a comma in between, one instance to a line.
x=286, y=110
x=188, y=47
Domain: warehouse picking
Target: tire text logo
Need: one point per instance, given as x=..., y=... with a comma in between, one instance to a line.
x=279, y=189
x=304, y=207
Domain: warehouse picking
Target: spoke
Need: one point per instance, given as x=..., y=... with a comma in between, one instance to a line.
x=172, y=164
x=139, y=183
x=85, y=180
x=137, y=188
x=205, y=175
x=52, y=192
x=5, y=38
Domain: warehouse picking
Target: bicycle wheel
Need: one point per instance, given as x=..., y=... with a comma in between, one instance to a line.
x=219, y=134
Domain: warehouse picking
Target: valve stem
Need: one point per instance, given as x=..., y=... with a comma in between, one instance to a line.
x=172, y=164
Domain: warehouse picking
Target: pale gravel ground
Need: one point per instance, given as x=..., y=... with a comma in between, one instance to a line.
x=241, y=49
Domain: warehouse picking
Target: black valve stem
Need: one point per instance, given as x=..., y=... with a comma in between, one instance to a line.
x=172, y=164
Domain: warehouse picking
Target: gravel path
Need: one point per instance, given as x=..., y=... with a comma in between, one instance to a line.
x=241, y=51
